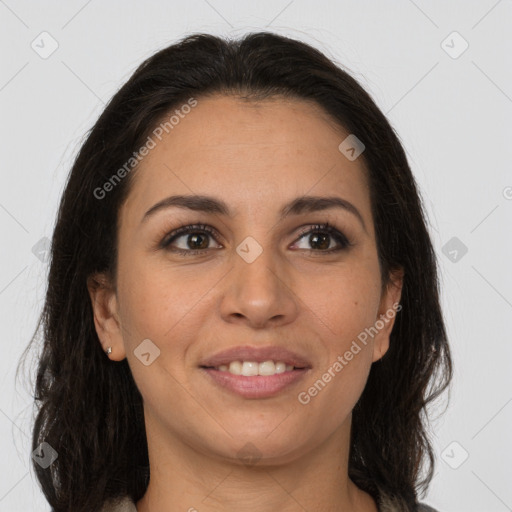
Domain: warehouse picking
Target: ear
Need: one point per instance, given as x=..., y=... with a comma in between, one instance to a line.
x=388, y=309
x=106, y=315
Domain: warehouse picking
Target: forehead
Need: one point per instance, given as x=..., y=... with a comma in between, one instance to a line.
x=247, y=152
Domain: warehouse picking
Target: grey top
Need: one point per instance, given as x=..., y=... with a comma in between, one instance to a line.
x=125, y=505
x=426, y=508
x=386, y=503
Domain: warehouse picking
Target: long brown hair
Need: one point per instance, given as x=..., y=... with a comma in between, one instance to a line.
x=89, y=408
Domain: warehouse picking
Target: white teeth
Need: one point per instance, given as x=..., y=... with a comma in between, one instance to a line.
x=235, y=367
x=267, y=368
x=249, y=368
x=252, y=368
x=280, y=367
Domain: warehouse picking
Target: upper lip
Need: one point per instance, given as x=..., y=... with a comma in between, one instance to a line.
x=256, y=354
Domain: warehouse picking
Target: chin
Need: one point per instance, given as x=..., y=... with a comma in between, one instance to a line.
x=258, y=448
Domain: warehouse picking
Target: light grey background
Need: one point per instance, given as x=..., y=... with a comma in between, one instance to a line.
x=452, y=114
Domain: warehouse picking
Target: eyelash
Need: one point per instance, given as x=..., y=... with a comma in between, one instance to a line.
x=198, y=228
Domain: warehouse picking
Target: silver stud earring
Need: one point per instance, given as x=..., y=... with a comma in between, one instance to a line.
x=108, y=351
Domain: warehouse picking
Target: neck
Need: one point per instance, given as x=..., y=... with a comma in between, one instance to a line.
x=184, y=479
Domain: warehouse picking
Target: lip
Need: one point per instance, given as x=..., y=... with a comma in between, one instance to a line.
x=256, y=354
x=257, y=386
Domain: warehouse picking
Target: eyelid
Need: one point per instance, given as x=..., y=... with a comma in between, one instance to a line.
x=187, y=229
x=330, y=229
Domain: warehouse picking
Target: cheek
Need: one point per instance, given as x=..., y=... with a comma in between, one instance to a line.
x=339, y=380
x=153, y=299
x=168, y=308
x=343, y=314
x=345, y=301
x=156, y=308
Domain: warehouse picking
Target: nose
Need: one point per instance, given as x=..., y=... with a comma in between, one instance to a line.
x=260, y=293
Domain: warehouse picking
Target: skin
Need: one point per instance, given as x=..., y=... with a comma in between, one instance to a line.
x=256, y=156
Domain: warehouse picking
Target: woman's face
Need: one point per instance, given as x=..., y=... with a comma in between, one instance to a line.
x=264, y=277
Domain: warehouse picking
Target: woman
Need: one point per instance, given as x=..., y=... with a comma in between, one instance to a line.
x=243, y=308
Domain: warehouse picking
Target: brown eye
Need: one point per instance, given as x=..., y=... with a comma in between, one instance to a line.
x=324, y=238
x=321, y=238
x=196, y=240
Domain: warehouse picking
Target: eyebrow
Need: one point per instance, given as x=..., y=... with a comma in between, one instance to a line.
x=212, y=205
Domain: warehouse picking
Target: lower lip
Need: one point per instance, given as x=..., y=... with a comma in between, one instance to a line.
x=257, y=386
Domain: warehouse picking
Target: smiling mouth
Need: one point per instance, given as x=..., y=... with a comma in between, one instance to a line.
x=254, y=368
x=255, y=372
